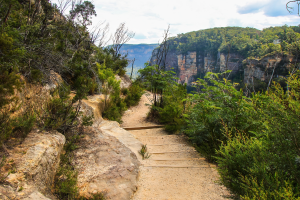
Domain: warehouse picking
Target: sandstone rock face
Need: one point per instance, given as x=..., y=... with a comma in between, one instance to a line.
x=93, y=105
x=187, y=66
x=35, y=162
x=106, y=165
x=113, y=128
x=234, y=62
x=194, y=64
x=263, y=69
x=125, y=81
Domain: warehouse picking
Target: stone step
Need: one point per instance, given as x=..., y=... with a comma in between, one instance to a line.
x=172, y=152
x=161, y=139
x=180, y=159
x=142, y=127
x=159, y=136
x=175, y=162
x=168, y=148
x=166, y=144
x=177, y=166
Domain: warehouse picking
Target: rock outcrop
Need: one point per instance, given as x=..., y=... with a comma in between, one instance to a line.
x=93, y=105
x=104, y=164
x=106, y=159
x=125, y=81
x=262, y=69
x=193, y=65
x=33, y=165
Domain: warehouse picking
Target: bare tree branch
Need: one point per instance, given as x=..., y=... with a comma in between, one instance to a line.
x=162, y=51
x=99, y=34
x=121, y=36
x=63, y=5
x=288, y=8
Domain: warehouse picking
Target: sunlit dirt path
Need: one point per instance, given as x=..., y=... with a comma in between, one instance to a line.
x=174, y=170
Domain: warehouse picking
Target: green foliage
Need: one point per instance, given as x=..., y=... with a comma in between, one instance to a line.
x=66, y=179
x=124, y=91
x=59, y=114
x=253, y=140
x=117, y=63
x=248, y=42
x=174, y=107
x=169, y=97
x=114, y=106
x=9, y=82
x=218, y=103
x=12, y=126
x=133, y=94
x=144, y=152
x=2, y=163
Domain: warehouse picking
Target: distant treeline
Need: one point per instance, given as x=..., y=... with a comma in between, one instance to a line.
x=248, y=42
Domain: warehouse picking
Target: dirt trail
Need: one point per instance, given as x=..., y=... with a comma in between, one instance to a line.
x=174, y=170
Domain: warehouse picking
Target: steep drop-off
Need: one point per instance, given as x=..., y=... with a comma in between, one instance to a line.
x=251, y=54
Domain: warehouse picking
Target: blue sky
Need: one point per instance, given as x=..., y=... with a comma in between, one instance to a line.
x=149, y=18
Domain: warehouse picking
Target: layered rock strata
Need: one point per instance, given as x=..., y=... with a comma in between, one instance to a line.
x=31, y=166
x=193, y=65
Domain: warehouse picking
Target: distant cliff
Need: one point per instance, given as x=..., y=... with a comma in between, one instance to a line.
x=251, y=54
x=191, y=66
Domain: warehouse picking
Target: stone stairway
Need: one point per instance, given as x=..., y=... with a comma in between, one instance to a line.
x=174, y=170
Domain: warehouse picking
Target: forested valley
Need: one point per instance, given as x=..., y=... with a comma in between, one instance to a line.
x=250, y=131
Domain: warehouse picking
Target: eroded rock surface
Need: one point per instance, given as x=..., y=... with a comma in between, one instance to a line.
x=34, y=164
x=93, y=105
x=106, y=165
x=125, y=81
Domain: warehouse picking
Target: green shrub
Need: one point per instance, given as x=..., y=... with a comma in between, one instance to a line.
x=259, y=190
x=114, y=105
x=134, y=94
x=253, y=140
x=22, y=125
x=124, y=91
x=66, y=179
x=62, y=112
x=218, y=103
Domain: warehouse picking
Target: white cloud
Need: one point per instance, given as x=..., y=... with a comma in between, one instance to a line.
x=149, y=18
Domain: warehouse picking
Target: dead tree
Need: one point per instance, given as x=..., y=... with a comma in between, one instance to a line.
x=161, y=54
x=120, y=37
x=160, y=57
x=132, y=68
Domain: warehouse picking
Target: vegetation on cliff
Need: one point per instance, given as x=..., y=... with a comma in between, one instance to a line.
x=248, y=42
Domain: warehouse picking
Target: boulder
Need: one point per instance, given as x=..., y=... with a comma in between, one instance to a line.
x=93, y=105
x=125, y=81
x=105, y=165
x=33, y=165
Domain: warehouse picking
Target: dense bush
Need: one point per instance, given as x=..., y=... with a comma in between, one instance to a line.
x=174, y=106
x=253, y=140
x=133, y=94
x=218, y=103
x=169, y=97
